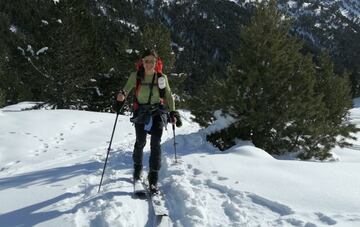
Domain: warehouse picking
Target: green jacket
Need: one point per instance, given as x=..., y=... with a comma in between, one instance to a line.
x=144, y=92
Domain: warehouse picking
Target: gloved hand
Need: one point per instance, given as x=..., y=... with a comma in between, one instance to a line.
x=121, y=96
x=116, y=106
x=175, y=117
x=119, y=101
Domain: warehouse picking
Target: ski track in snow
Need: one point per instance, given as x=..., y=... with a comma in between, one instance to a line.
x=115, y=205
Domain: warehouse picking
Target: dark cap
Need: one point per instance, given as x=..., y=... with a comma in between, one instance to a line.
x=148, y=52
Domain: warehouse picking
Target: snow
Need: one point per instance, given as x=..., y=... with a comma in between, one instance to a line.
x=30, y=49
x=133, y=27
x=13, y=28
x=21, y=50
x=292, y=4
x=306, y=4
x=42, y=50
x=220, y=123
x=103, y=10
x=344, y=12
x=51, y=163
x=351, y=7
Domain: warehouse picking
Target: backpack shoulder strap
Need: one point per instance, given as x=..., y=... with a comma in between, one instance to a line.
x=137, y=91
x=151, y=88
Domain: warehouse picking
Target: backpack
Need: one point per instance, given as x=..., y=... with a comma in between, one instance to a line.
x=139, y=77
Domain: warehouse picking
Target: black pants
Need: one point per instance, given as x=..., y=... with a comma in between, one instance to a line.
x=155, y=147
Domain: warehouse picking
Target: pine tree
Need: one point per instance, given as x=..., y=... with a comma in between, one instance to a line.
x=157, y=36
x=272, y=91
x=332, y=127
x=17, y=28
x=271, y=83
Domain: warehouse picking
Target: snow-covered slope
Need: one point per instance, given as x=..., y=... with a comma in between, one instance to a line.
x=51, y=163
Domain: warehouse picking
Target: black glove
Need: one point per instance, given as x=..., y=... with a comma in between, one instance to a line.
x=175, y=115
x=116, y=106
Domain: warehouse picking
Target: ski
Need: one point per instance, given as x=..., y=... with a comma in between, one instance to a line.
x=157, y=201
x=161, y=213
x=139, y=189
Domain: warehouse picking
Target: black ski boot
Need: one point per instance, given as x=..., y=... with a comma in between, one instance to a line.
x=153, y=178
x=137, y=172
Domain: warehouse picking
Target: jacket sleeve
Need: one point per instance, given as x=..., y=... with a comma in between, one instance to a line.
x=168, y=96
x=130, y=84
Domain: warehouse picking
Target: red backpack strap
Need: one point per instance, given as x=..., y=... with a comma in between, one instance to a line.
x=159, y=65
x=158, y=70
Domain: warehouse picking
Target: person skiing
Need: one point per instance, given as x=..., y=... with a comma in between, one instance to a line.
x=153, y=101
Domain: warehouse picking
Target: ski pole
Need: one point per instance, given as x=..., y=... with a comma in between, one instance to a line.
x=108, y=151
x=173, y=126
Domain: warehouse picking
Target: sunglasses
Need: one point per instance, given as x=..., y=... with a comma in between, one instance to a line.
x=149, y=61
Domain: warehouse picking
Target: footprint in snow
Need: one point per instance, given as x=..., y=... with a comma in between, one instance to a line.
x=309, y=224
x=326, y=219
x=12, y=132
x=34, y=152
x=214, y=172
x=274, y=206
x=294, y=221
x=222, y=178
x=233, y=211
x=195, y=181
x=196, y=171
x=73, y=126
x=13, y=163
